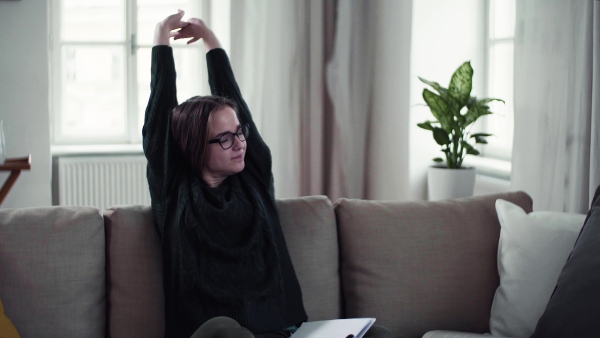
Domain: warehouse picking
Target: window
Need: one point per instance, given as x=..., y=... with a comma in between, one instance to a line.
x=101, y=65
x=499, y=64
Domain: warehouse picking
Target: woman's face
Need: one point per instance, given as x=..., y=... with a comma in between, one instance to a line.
x=220, y=162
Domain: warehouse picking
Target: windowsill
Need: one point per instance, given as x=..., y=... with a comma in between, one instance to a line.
x=490, y=167
x=100, y=149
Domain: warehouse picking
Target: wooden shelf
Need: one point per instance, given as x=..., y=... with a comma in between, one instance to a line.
x=14, y=165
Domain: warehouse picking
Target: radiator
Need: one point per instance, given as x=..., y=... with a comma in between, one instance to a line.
x=102, y=181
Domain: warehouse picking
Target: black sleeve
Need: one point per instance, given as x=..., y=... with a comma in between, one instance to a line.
x=164, y=159
x=222, y=83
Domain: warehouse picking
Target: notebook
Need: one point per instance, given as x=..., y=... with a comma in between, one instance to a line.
x=335, y=328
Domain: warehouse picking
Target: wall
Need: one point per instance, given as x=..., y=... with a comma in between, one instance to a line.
x=24, y=97
x=444, y=35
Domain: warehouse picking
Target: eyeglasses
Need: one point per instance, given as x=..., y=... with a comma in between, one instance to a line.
x=227, y=140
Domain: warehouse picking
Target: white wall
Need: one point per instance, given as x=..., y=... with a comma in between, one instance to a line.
x=24, y=98
x=444, y=35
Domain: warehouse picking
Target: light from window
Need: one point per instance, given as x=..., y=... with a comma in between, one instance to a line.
x=101, y=66
x=500, y=47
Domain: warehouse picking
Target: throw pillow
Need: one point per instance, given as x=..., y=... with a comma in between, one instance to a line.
x=574, y=309
x=531, y=253
x=7, y=329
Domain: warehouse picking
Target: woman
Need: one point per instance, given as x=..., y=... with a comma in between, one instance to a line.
x=227, y=271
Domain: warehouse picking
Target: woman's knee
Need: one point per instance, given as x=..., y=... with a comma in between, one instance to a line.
x=378, y=331
x=222, y=327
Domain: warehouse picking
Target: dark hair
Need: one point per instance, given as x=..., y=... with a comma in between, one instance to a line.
x=190, y=126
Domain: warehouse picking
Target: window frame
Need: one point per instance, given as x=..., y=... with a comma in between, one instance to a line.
x=131, y=46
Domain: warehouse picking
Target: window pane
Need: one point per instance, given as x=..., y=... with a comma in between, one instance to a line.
x=500, y=85
x=502, y=19
x=150, y=12
x=92, y=20
x=188, y=62
x=93, y=92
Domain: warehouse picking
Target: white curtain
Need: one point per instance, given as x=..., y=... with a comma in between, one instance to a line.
x=277, y=55
x=328, y=84
x=557, y=101
x=368, y=80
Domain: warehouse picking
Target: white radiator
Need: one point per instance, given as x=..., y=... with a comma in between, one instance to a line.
x=102, y=181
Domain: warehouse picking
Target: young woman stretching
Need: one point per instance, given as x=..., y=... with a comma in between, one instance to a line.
x=226, y=268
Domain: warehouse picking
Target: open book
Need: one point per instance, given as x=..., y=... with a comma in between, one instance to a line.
x=335, y=328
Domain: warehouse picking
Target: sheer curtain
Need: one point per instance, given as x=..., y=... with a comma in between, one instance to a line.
x=557, y=102
x=328, y=84
x=278, y=51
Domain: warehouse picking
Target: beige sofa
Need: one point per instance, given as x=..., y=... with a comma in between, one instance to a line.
x=415, y=266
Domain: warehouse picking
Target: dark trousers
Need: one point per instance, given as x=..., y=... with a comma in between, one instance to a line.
x=225, y=327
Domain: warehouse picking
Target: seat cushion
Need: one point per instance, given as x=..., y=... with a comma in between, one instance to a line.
x=52, y=280
x=134, y=273
x=421, y=266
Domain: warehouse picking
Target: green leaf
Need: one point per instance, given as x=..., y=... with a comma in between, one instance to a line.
x=480, y=139
x=481, y=134
x=472, y=151
x=440, y=136
x=426, y=125
x=438, y=159
x=461, y=84
x=488, y=100
x=469, y=148
x=438, y=106
x=435, y=85
x=476, y=111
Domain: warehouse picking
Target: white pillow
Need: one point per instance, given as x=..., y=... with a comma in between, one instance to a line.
x=531, y=253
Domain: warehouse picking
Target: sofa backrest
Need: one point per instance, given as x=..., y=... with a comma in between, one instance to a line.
x=134, y=283
x=311, y=234
x=52, y=281
x=421, y=266
x=135, y=297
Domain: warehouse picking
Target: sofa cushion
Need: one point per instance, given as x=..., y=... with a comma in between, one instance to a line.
x=532, y=250
x=574, y=308
x=310, y=231
x=421, y=266
x=134, y=273
x=52, y=280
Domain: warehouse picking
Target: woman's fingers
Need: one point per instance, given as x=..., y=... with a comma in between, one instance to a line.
x=174, y=21
x=193, y=40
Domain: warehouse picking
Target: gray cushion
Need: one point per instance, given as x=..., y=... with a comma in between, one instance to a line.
x=574, y=309
x=134, y=274
x=421, y=266
x=310, y=231
x=52, y=271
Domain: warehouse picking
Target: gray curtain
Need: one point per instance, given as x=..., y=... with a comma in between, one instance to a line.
x=328, y=84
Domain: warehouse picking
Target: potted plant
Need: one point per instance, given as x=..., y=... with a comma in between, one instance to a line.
x=455, y=111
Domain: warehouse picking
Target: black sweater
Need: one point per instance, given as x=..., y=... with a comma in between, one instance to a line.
x=224, y=253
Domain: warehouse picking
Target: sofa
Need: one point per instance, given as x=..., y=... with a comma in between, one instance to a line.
x=421, y=268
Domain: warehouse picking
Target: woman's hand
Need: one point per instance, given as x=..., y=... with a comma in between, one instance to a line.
x=196, y=30
x=164, y=29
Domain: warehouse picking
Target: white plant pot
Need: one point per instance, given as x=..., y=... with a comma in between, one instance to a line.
x=444, y=183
